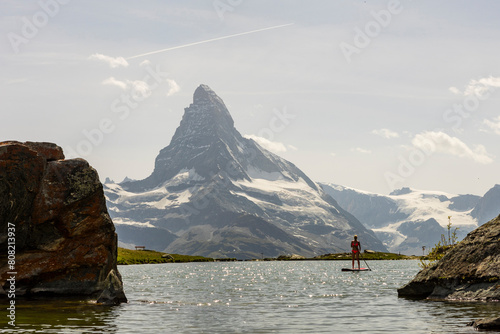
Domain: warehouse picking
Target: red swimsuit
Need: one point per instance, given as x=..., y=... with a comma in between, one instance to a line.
x=355, y=244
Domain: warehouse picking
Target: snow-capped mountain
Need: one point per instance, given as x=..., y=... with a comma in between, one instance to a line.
x=488, y=206
x=216, y=193
x=408, y=219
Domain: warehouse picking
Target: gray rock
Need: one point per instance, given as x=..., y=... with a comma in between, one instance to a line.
x=470, y=271
x=112, y=290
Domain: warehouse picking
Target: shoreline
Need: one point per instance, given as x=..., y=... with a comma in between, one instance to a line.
x=130, y=257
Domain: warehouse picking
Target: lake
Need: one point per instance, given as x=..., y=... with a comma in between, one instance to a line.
x=257, y=297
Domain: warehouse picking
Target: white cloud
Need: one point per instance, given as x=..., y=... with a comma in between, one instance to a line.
x=275, y=147
x=138, y=88
x=114, y=82
x=145, y=63
x=494, y=125
x=293, y=148
x=385, y=133
x=361, y=150
x=173, y=87
x=112, y=62
x=431, y=141
x=479, y=87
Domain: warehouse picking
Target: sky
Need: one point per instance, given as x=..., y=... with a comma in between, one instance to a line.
x=374, y=95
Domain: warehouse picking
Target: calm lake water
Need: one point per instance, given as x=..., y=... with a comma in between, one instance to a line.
x=257, y=297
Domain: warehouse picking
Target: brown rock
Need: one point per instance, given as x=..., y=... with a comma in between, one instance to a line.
x=65, y=241
x=49, y=151
x=486, y=324
x=470, y=271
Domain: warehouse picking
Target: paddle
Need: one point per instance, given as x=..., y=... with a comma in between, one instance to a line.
x=365, y=261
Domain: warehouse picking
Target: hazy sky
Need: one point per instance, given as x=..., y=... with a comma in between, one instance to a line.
x=374, y=95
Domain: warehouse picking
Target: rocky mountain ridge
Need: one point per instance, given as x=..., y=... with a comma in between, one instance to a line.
x=408, y=219
x=217, y=194
x=488, y=206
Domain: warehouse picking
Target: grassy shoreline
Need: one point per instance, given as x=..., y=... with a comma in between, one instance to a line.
x=127, y=256
x=366, y=256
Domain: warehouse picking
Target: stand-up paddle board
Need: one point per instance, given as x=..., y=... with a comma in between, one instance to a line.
x=356, y=269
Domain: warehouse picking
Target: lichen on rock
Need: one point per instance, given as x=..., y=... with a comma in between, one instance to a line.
x=468, y=272
x=65, y=241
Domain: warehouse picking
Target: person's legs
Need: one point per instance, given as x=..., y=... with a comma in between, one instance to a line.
x=357, y=257
x=352, y=260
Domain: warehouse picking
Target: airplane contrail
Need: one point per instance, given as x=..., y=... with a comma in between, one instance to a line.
x=209, y=40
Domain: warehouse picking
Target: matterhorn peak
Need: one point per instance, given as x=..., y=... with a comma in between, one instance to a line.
x=220, y=194
x=206, y=115
x=204, y=93
x=206, y=102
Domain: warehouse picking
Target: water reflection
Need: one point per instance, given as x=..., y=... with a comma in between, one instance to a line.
x=62, y=316
x=257, y=297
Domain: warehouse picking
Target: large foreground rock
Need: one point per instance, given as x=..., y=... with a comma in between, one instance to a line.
x=470, y=271
x=65, y=242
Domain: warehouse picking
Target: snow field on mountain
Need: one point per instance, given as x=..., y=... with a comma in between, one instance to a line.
x=297, y=197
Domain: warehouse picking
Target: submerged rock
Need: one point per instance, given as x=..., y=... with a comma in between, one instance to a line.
x=470, y=271
x=112, y=292
x=65, y=242
x=486, y=324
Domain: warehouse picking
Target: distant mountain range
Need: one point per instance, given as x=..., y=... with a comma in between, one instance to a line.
x=215, y=193
x=408, y=219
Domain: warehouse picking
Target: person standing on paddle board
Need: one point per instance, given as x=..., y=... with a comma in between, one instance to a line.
x=356, y=249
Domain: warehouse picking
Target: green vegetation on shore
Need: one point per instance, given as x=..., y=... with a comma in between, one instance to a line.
x=127, y=256
x=441, y=248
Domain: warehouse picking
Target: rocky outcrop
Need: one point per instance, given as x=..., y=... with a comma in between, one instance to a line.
x=486, y=324
x=65, y=242
x=470, y=271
